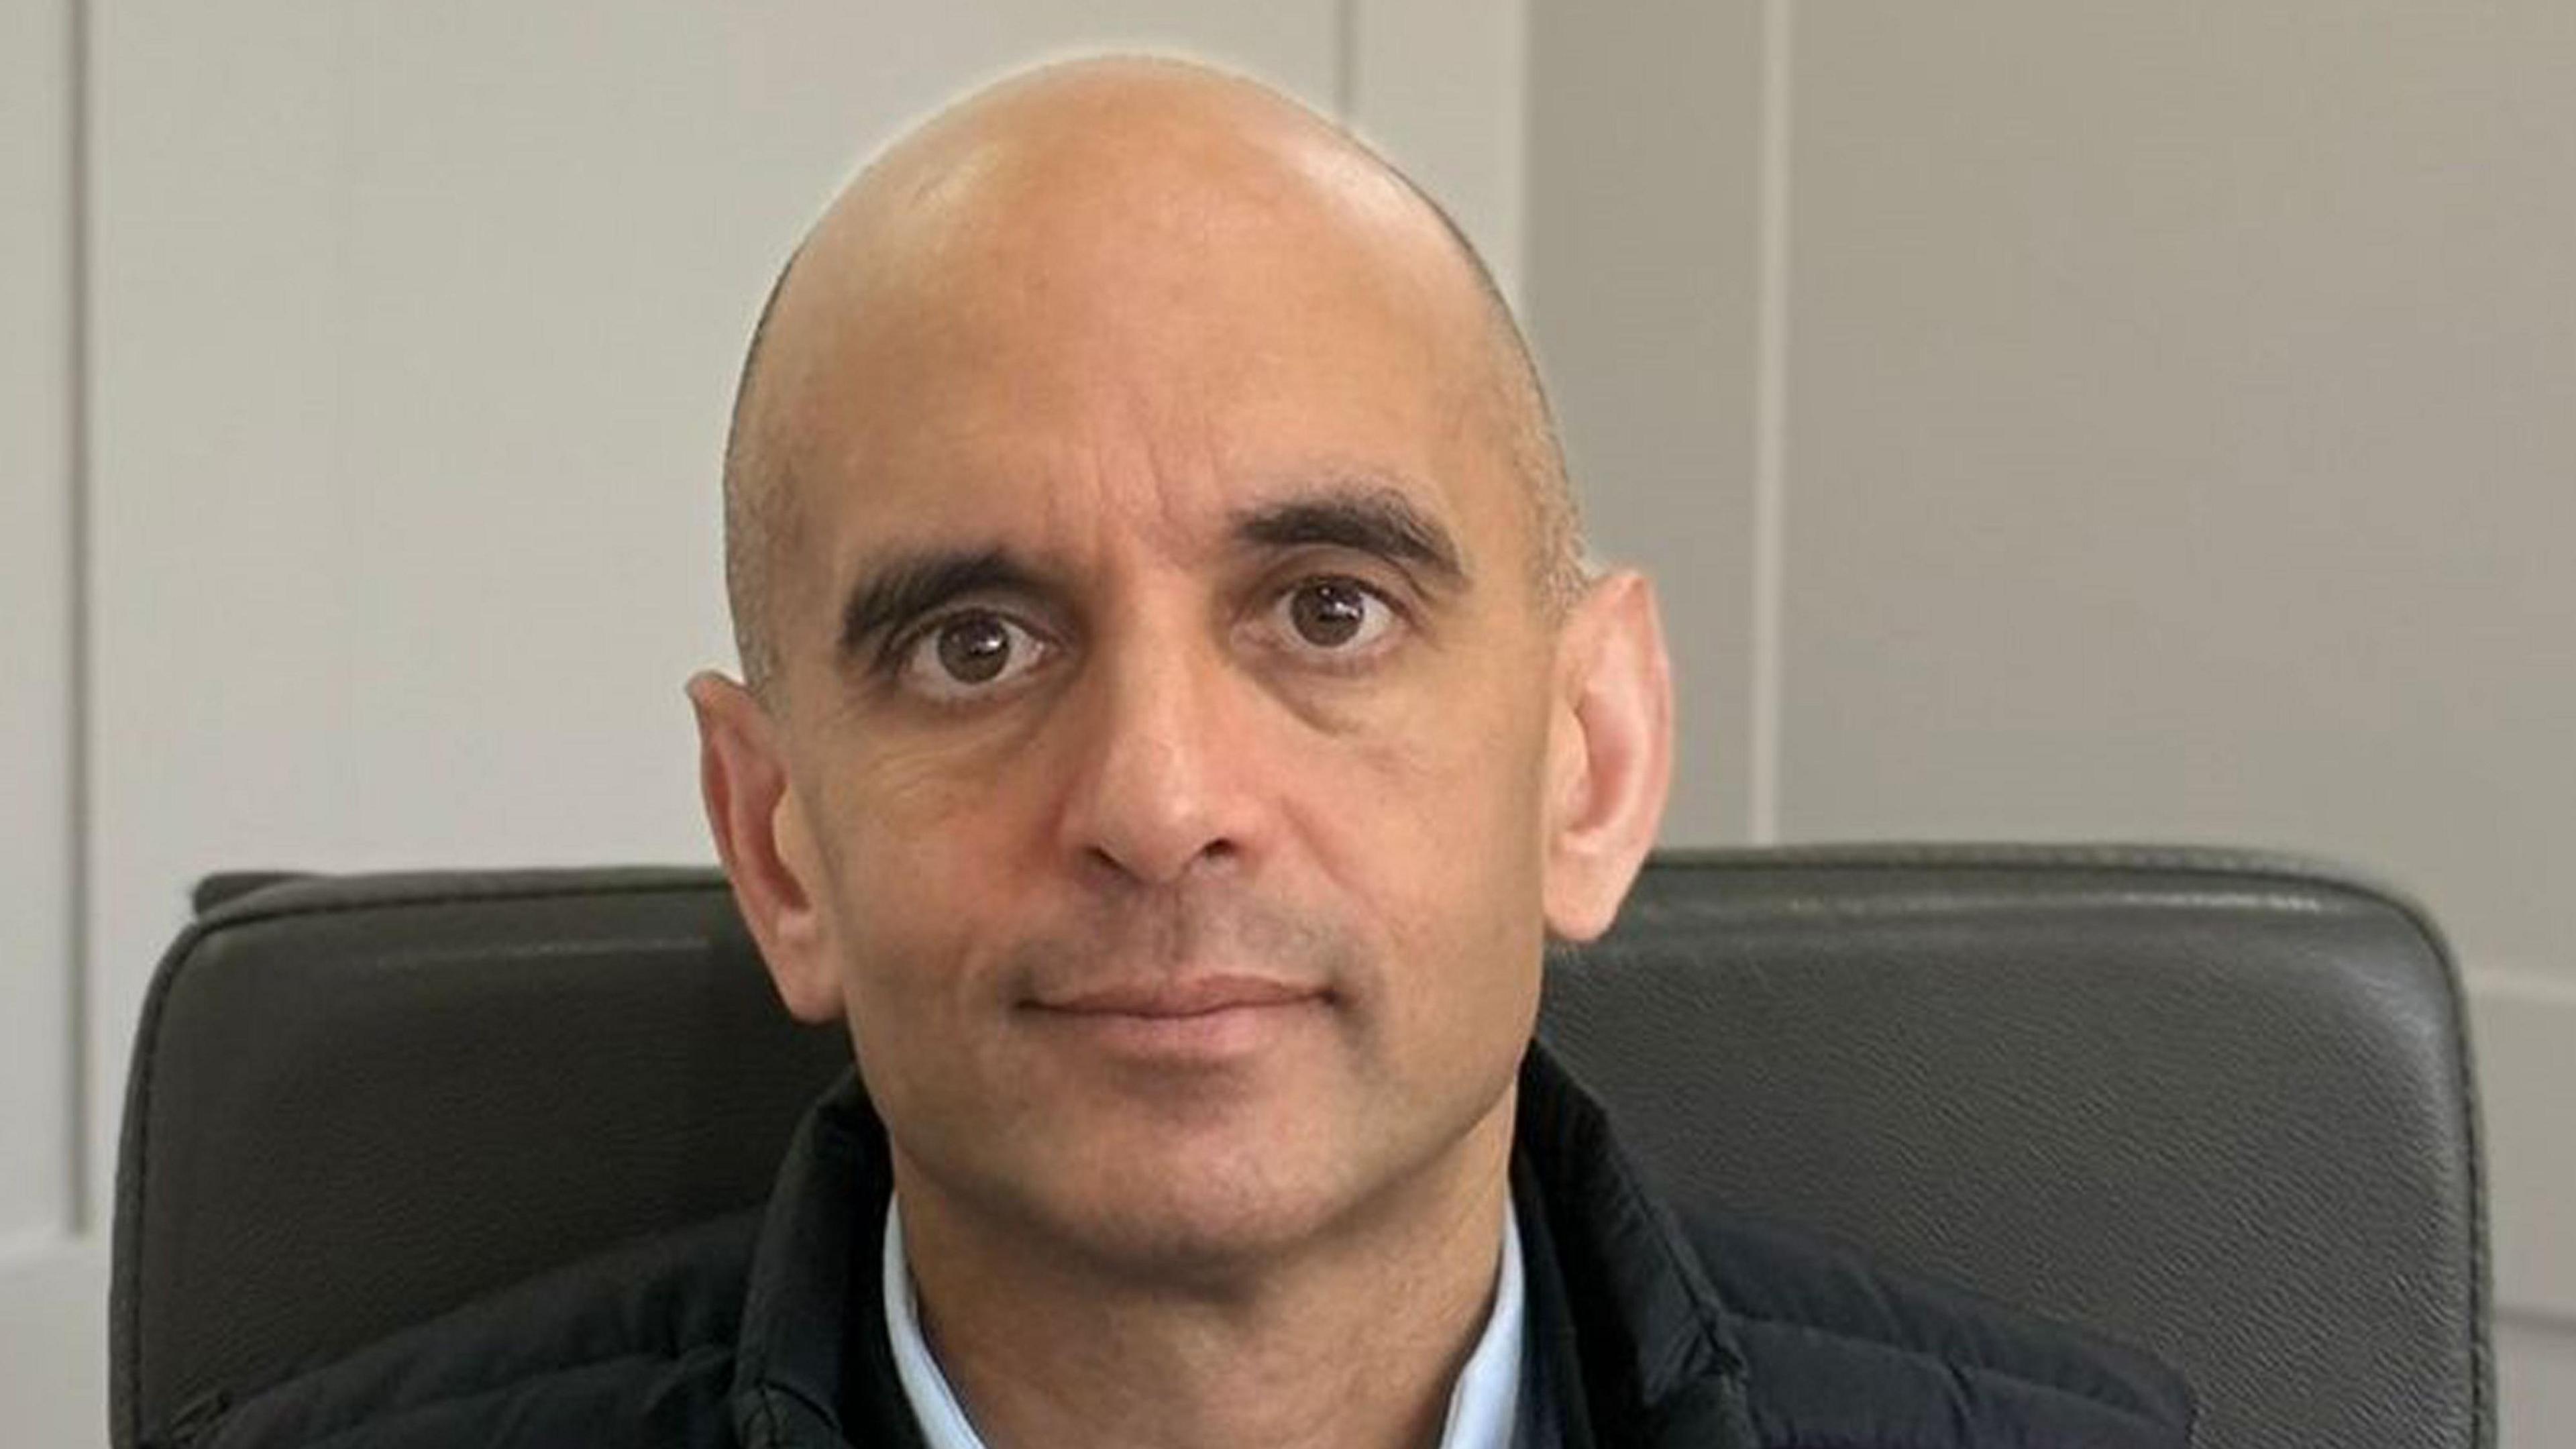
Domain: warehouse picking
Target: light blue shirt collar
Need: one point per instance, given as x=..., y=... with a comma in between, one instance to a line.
x=1483, y=1405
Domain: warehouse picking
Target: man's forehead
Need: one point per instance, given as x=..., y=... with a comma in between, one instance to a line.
x=1049, y=280
x=1115, y=308
x=1163, y=389
x=1107, y=193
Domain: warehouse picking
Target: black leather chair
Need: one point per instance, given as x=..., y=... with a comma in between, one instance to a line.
x=2214, y=1104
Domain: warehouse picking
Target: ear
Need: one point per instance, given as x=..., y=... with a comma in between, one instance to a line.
x=1610, y=753
x=767, y=850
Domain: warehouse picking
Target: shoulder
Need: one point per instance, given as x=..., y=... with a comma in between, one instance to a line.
x=631, y=1347
x=1842, y=1350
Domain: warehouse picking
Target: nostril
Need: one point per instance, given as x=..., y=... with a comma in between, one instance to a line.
x=1110, y=865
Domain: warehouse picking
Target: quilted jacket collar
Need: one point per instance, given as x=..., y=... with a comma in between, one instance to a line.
x=1629, y=1344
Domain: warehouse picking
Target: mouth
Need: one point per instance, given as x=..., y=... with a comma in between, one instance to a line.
x=1196, y=1018
x=1180, y=997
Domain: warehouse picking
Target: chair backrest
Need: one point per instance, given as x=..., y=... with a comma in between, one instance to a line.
x=2216, y=1105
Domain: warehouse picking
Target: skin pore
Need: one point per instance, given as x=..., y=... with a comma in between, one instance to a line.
x=1170, y=752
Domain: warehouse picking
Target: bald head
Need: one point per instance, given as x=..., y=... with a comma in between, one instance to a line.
x=1088, y=192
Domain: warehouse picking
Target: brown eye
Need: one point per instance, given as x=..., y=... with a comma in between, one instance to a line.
x=1340, y=618
x=970, y=654
x=974, y=649
x=1329, y=614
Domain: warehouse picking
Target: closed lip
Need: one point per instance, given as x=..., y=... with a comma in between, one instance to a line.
x=1187, y=996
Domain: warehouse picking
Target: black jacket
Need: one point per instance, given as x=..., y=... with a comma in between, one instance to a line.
x=762, y=1330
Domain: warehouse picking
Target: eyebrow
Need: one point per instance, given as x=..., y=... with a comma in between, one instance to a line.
x=1369, y=519
x=1365, y=518
x=905, y=588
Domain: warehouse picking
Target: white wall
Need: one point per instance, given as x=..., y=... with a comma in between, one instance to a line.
x=52, y=1299
x=1642, y=288
x=2113, y=420
x=36, y=401
x=410, y=332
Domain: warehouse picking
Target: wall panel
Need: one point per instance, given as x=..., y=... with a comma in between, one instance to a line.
x=1639, y=287
x=2535, y=1383
x=53, y=1344
x=53, y=1287
x=2180, y=437
x=36, y=576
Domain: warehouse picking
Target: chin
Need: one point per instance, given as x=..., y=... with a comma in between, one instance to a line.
x=1206, y=1210
x=1205, y=1221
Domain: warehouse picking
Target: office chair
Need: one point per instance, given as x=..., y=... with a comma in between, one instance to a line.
x=2216, y=1105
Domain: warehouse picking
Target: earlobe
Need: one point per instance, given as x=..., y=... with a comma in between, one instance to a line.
x=760, y=836
x=1610, y=755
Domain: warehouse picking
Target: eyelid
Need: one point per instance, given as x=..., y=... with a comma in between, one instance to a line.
x=1398, y=592
x=1400, y=617
x=1389, y=579
x=904, y=647
x=897, y=639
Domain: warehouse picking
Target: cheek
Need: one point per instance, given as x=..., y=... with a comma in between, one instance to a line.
x=1438, y=828
x=918, y=853
x=921, y=889
x=1456, y=770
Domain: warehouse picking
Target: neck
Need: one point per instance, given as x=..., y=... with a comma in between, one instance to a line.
x=1352, y=1340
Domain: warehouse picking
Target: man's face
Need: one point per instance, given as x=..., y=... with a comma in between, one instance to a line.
x=1165, y=724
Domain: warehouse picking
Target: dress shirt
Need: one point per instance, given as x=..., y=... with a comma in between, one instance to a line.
x=1483, y=1405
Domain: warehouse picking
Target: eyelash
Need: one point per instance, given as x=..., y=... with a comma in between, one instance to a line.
x=903, y=646
x=1339, y=661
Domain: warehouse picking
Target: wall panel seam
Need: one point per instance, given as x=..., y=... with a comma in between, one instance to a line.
x=1770, y=428
x=78, y=1006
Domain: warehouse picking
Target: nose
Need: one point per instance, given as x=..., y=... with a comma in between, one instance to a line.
x=1161, y=784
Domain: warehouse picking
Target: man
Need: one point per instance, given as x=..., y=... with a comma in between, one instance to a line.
x=1175, y=718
